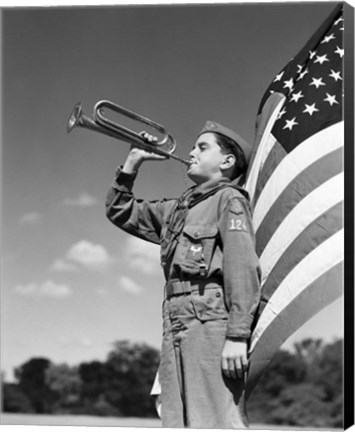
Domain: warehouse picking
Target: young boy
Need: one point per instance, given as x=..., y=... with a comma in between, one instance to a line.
x=212, y=278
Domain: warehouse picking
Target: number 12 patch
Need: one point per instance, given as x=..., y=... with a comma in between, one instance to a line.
x=236, y=224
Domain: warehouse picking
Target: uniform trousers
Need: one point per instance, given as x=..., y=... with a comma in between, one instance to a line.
x=194, y=391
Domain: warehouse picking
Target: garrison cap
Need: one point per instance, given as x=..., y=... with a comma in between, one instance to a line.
x=212, y=126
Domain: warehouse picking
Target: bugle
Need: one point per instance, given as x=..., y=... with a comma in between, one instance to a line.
x=102, y=124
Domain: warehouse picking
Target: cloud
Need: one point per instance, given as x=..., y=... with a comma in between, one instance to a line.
x=86, y=342
x=143, y=256
x=47, y=289
x=61, y=265
x=83, y=200
x=129, y=285
x=51, y=289
x=31, y=218
x=72, y=341
x=87, y=254
x=30, y=288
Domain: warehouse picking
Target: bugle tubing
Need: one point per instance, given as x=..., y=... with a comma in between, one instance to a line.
x=103, y=125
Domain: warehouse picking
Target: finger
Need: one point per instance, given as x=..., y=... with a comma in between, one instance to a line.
x=146, y=136
x=245, y=364
x=149, y=138
x=243, y=367
x=239, y=368
x=232, y=368
x=225, y=368
x=154, y=139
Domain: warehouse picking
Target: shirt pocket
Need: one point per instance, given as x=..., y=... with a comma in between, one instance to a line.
x=195, y=250
x=209, y=305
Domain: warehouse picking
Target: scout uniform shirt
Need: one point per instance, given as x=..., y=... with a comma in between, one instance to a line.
x=206, y=234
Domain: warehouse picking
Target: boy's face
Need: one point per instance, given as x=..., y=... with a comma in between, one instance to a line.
x=206, y=158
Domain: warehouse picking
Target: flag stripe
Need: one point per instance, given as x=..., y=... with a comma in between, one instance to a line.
x=304, y=155
x=311, y=207
x=317, y=173
x=326, y=289
x=321, y=228
x=326, y=255
x=277, y=153
x=274, y=103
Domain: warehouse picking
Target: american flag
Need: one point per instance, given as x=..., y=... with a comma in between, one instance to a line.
x=295, y=181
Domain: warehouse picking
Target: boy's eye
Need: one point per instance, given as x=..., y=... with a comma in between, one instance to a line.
x=200, y=147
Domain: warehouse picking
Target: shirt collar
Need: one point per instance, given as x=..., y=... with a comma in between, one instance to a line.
x=208, y=187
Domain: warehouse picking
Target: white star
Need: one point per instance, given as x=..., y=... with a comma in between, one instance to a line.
x=289, y=84
x=339, y=51
x=281, y=113
x=338, y=20
x=310, y=109
x=335, y=75
x=317, y=82
x=296, y=96
x=302, y=74
x=312, y=54
x=290, y=124
x=328, y=38
x=321, y=59
x=331, y=99
x=279, y=76
x=299, y=67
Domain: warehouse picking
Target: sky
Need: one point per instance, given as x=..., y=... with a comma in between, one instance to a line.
x=72, y=283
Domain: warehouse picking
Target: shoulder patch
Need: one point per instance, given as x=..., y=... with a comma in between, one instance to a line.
x=237, y=224
x=236, y=206
x=237, y=218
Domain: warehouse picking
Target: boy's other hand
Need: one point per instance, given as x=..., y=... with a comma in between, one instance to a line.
x=235, y=358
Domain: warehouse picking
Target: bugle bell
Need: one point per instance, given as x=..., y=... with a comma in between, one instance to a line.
x=102, y=124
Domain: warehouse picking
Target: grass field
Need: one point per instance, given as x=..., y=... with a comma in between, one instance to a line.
x=125, y=422
x=76, y=420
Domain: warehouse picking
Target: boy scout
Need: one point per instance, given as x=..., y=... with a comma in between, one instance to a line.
x=212, y=278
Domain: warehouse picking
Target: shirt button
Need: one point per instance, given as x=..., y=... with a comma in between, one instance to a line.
x=218, y=294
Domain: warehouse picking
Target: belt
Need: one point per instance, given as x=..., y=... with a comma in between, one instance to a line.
x=178, y=287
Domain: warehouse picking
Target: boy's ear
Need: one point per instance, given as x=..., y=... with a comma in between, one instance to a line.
x=228, y=161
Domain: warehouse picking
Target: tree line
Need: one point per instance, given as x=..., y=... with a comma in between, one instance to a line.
x=301, y=388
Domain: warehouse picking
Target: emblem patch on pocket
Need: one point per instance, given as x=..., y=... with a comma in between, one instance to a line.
x=194, y=253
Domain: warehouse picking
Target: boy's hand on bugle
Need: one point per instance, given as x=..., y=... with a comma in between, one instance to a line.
x=137, y=155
